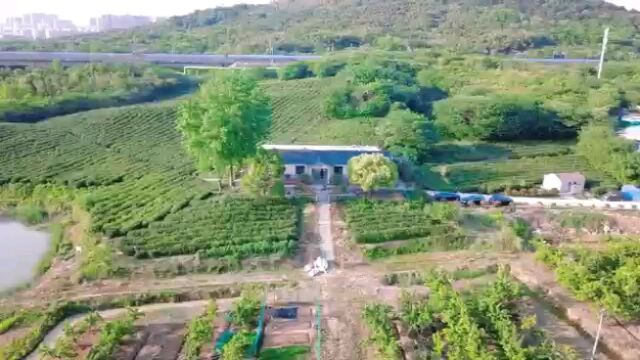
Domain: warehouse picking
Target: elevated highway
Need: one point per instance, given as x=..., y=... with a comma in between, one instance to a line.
x=28, y=59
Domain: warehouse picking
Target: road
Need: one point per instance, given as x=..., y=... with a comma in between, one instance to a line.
x=26, y=58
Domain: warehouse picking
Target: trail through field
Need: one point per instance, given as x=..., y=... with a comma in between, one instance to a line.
x=155, y=314
x=111, y=288
x=324, y=224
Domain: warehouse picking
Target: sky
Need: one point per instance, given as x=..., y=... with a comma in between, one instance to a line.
x=79, y=11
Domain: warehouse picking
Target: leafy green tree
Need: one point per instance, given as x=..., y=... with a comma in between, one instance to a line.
x=264, y=174
x=608, y=153
x=224, y=123
x=372, y=171
x=496, y=117
x=406, y=134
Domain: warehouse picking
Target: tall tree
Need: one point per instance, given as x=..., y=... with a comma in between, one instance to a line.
x=264, y=174
x=372, y=171
x=224, y=123
x=406, y=134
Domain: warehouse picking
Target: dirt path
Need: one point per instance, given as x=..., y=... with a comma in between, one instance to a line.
x=324, y=225
x=155, y=314
x=111, y=288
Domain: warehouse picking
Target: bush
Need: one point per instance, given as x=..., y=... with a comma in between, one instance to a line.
x=497, y=117
x=297, y=70
x=30, y=214
x=328, y=68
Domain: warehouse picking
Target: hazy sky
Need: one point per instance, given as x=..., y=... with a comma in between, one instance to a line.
x=81, y=10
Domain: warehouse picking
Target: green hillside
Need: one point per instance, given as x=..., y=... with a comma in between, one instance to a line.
x=319, y=25
x=300, y=117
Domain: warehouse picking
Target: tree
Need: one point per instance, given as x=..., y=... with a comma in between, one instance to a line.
x=406, y=134
x=497, y=117
x=223, y=124
x=371, y=171
x=608, y=153
x=264, y=175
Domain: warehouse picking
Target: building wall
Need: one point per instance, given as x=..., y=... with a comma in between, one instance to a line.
x=290, y=170
x=552, y=182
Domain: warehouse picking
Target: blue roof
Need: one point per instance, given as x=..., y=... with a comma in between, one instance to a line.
x=314, y=157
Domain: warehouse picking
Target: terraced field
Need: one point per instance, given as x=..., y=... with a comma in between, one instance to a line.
x=469, y=176
x=299, y=116
x=220, y=227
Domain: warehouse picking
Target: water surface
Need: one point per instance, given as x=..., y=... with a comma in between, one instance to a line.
x=20, y=250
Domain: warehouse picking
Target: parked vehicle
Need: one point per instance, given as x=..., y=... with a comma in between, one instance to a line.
x=472, y=199
x=446, y=196
x=500, y=200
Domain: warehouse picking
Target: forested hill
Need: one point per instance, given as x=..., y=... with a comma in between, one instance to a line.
x=305, y=26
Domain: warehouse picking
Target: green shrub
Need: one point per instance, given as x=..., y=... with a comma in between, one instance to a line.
x=328, y=68
x=30, y=214
x=296, y=70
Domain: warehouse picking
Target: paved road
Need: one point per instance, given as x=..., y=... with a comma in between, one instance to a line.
x=324, y=224
x=17, y=58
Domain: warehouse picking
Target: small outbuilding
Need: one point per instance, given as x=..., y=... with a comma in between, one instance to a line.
x=565, y=183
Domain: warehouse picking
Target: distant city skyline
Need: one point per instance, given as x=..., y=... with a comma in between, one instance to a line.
x=80, y=14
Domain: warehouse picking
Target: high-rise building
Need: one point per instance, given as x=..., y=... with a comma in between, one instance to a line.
x=116, y=22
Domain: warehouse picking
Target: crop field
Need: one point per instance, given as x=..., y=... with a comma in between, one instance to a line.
x=606, y=277
x=218, y=228
x=300, y=118
x=525, y=171
x=484, y=323
x=427, y=226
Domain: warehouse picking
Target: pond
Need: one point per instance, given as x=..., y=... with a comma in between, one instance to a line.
x=21, y=248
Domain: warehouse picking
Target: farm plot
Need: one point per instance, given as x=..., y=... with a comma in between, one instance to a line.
x=424, y=226
x=608, y=276
x=482, y=323
x=495, y=174
x=299, y=115
x=93, y=148
x=220, y=227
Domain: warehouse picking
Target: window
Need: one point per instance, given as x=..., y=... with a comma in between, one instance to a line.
x=337, y=170
x=300, y=170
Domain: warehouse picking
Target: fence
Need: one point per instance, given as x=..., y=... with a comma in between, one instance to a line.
x=591, y=203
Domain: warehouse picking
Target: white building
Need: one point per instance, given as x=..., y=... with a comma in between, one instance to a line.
x=318, y=163
x=565, y=183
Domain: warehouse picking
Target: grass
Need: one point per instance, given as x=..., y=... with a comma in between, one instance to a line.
x=30, y=214
x=58, y=246
x=296, y=352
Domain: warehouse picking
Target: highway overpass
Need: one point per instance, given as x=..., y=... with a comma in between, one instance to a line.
x=26, y=59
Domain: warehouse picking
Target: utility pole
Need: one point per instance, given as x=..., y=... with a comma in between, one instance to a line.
x=595, y=344
x=605, y=40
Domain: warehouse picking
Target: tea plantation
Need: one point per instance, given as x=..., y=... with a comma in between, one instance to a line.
x=132, y=174
x=219, y=228
x=424, y=226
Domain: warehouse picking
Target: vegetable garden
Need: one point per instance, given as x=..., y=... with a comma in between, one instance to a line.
x=428, y=226
x=477, y=324
x=220, y=227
